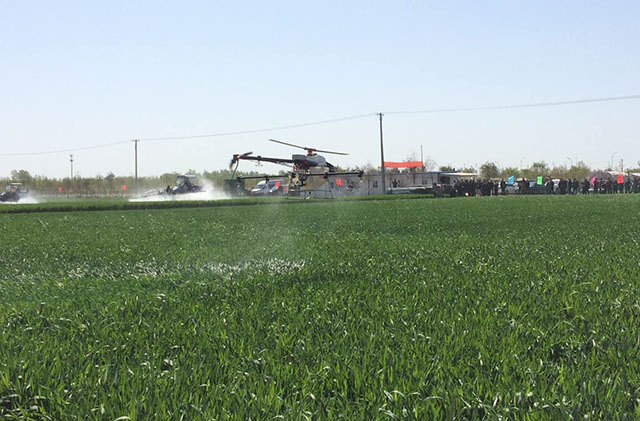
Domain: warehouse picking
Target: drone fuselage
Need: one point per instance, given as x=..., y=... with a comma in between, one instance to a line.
x=305, y=162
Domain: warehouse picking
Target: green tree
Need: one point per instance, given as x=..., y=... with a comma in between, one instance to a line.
x=536, y=169
x=489, y=170
x=579, y=171
x=510, y=171
x=21, y=176
x=558, y=172
x=109, y=179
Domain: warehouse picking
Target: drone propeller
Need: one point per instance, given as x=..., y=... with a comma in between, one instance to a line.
x=237, y=157
x=309, y=150
x=236, y=161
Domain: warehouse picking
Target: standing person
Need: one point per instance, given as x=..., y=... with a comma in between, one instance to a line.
x=585, y=186
x=503, y=187
x=620, y=183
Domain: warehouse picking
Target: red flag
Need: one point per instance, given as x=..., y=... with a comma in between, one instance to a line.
x=60, y=189
x=124, y=187
x=338, y=182
x=620, y=179
x=277, y=185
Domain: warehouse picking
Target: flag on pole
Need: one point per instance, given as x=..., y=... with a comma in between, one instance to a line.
x=539, y=180
x=511, y=180
x=620, y=179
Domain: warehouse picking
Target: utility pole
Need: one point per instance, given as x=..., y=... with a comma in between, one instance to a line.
x=135, y=146
x=421, y=158
x=71, y=161
x=384, y=187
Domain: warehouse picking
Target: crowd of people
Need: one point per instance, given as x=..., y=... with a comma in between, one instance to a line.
x=470, y=187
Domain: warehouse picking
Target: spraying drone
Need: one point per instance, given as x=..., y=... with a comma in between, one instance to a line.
x=302, y=166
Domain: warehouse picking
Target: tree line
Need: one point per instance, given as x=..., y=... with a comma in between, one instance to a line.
x=114, y=185
x=111, y=184
x=577, y=171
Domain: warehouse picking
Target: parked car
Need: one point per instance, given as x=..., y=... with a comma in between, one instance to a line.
x=267, y=188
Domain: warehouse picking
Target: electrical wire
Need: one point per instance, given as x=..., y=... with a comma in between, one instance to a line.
x=268, y=129
x=80, y=148
x=240, y=132
x=514, y=106
x=334, y=120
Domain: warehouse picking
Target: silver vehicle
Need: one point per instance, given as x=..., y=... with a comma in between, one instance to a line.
x=267, y=188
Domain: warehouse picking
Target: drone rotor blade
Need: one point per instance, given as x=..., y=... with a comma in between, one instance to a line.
x=237, y=157
x=233, y=167
x=307, y=148
x=331, y=152
x=291, y=144
x=288, y=144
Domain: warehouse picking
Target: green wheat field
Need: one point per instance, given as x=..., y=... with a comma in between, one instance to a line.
x=513, y=307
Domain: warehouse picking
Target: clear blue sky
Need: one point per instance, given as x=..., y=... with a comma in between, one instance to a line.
x=78, y=73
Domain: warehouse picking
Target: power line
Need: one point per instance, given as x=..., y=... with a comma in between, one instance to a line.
x=81, y=148
x=514, y=106
x=221, y=134
x=268, y=129
x=335, y=120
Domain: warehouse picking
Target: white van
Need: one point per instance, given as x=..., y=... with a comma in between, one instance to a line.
x=267, y=188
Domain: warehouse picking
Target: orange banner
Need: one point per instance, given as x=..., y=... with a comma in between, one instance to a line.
x=404, y=164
